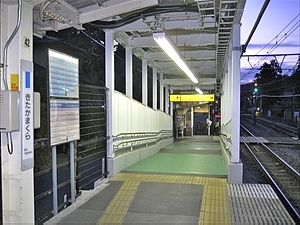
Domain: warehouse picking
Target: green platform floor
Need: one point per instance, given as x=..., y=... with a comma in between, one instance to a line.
x=198, y=155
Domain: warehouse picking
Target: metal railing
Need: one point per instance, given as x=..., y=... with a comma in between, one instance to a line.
x=131, y=141
x=226, y=143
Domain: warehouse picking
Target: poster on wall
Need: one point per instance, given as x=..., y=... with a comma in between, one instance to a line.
x=63, y=75
x=64, y=121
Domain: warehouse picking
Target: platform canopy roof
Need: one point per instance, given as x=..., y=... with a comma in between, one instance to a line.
x=200, y=29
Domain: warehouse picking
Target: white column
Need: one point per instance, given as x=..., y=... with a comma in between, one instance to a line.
x=161, y=97
x=171, y=104
x=235, y=170
x=110, y=84
x=229, y=96
x=236, y=53
x=72, y=170
x=144, y=82
x=192, y=121
x=154, y=86
x=128, y=61
x=17, y=175
x=222, y=106
x=166, y=100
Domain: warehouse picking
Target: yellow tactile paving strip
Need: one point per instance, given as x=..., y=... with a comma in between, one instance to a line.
x=214, y=207
x=117, y=208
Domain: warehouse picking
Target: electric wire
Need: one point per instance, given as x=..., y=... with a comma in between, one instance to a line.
x=276, y=45
x=284, y=37
x=298, y=15
x=277, y=34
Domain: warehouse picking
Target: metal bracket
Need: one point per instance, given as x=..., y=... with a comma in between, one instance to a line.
x=61, y=12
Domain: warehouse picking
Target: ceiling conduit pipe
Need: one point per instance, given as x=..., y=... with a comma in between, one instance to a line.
x=10, y=150
x=263, y=9
x=145, y=13
x=8, y=43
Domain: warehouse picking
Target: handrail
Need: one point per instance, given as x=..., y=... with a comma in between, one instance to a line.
x=224, y=143
x=138, y=134
x=131, y=140
x=227, y=122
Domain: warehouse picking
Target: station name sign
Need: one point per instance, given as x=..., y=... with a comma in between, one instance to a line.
x=192, y=98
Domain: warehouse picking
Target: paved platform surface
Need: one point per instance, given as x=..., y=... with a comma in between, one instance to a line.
x=185, y=183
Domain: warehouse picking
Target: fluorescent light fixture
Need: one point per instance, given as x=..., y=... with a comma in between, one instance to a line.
x=198, y=90
x=166, y=45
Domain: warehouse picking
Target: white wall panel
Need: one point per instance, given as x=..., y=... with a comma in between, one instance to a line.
x=132, y=116
x=151, y=121
x=123, y=105
x=115, y=119
x=129, y=114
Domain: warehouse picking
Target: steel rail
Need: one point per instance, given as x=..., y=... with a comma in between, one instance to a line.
x=286, y=202
x=282, y=129
x=273, y=153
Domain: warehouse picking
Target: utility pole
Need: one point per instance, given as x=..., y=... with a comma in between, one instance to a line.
x=255, y=90
x=254, y=110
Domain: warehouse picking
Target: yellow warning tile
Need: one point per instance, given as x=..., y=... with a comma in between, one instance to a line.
x=117, y=208
x=215, y=206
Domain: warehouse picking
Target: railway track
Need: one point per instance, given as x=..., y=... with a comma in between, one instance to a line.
x=284, y=179
x=287, y=130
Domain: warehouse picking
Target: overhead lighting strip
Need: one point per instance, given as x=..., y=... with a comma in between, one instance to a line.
x=163, y=41
x=198, y=90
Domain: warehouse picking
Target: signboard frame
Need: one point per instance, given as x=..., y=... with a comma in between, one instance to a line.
x=63, y=98
x=64, y=121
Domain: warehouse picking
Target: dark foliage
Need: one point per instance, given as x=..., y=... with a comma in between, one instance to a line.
x=269, y=82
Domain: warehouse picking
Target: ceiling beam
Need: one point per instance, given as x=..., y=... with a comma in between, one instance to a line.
x=204, y=55
x=114, y=8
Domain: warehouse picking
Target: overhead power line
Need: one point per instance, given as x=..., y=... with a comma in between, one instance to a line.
x=277, y=44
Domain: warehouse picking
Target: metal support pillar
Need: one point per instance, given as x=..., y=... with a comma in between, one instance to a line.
x=171, y=104
x=167, y=100
x=236, y=167
x=109, y=83
x=144, y=82
x=54, y=180
x=236, y=52
x=128, y=57
x=72, y=171
x=192, y=121
x=154, y=88
x=161, y=86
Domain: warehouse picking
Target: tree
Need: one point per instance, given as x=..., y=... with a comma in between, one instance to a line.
x=269, y=82
x=269, y=79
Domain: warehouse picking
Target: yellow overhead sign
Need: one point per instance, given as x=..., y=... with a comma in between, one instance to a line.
x=192, y=98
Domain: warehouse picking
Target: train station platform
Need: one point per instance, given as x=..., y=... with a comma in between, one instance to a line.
x=184, y=183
